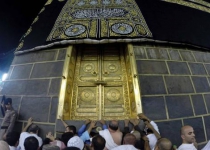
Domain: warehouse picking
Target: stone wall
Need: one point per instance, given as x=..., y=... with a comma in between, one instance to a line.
x=34, y=83
x=174, y=85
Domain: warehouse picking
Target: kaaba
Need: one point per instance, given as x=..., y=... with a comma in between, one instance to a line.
x=114, y=59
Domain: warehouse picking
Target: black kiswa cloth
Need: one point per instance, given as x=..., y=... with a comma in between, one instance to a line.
x=166, y=21
x=42, y=28
x=176, y=23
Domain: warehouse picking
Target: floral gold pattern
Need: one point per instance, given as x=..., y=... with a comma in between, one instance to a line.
x=99, y=19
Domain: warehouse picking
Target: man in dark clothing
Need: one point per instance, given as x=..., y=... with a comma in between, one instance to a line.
x=9, y=118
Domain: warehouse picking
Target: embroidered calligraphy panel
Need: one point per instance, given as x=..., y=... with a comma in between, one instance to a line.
x=99, y=19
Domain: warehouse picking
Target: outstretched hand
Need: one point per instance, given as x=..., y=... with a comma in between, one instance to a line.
x=148, y=125
x=50, y=136
x=92, y=124
x=102, y=122
x=143, y=117
x=87, y=121
x=30, y=121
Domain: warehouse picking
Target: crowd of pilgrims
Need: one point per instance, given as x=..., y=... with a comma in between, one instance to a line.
x=91, y=137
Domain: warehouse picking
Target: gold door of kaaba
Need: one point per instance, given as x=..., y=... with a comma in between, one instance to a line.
x=97, y=86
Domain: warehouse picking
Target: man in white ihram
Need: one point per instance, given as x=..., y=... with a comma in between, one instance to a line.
x=188, y=139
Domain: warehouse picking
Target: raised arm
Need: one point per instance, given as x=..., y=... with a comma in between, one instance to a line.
x=83, y=127
x=92, y=125
x=103, y=124
x=65, y=124
x=153, y=130
x=143, y=117
x=30, y=121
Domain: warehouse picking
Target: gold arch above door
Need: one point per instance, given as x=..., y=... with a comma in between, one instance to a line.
x=99, y=83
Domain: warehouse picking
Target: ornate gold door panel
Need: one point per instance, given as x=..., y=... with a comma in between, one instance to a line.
x=100, y=84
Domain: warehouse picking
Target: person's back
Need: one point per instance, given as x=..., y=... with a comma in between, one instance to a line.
x=31, y=143
x=112, y=135
x=33, y=131
x=115, y=133
x=128, y=143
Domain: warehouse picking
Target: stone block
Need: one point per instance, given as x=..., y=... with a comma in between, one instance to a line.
x=174, y=54
x=178, y=68
x=151, y=67
x=198, y=104
x=178, y=84
x=50, y=69
x=139, y=52
x=198, y=127
x=151, y=85
x=53, y=109
x=21, y=72
x=207, y=125
x=208, y=68
x=171, y=130
x=36, y=107
x=61, y=54
x=156, y=53
x=26, y=87
x=201, y=84
x=35, y=57
x=179, y=106
x=10, y=72
x=202, y=56
x=187, y=56
x=55, y=87
x=154, y=107
x=207, y=100
x=197, y=69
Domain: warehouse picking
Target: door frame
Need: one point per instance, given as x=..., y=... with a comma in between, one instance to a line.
x=64, y=104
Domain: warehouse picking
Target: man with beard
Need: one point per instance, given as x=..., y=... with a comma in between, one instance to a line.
x=188, y=138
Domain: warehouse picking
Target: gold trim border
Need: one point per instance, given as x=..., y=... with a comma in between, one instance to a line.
x=64, y=82
x=136, y=87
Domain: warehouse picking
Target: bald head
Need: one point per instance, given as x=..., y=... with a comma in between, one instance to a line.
x=129, y=139
x=187, y=134
x=113, y=125
x=4, y=145
x=185, y=128
x=163, y=144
